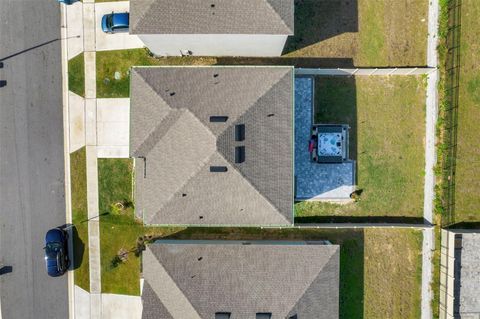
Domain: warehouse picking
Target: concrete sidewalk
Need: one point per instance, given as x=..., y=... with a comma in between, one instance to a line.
x=430, y=158
x=103, y=127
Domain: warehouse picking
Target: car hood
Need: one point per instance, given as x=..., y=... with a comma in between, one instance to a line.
x=104, y=23
x=54, y=235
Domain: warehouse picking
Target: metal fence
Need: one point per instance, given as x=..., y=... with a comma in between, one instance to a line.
x=452, y=74
x=364, y=71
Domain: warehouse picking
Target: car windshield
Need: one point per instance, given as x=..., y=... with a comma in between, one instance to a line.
x=109, y=20
x=53, y=247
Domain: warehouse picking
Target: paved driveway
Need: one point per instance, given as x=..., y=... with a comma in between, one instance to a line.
x=116, y=41
x=113, y=124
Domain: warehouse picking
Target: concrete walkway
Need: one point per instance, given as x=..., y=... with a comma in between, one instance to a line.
x=102, y=126
x=430, y=158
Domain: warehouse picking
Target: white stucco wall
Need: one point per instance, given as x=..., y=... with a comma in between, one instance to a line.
x=215, y=44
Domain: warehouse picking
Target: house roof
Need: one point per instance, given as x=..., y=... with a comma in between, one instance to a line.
x=196, y=280
x=171, y=128
x=467, y=271
x=211, y=17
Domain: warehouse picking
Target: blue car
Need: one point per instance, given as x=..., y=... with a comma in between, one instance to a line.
x=115, y=22
x=56, y=254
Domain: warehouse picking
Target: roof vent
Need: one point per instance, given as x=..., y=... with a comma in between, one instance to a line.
x=239, y=154
x=218, y=169
x=218, y=118
x=222, y=315
x=239, y=132
x=263, y=315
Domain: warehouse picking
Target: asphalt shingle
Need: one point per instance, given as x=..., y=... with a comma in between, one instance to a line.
x=211, y=17
x=201, y=278
x=176, y=144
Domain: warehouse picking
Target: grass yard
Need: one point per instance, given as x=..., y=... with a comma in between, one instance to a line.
x=386, y=116
x=467, y=183
x=393, y=273
x=78, y=177
x=76, y=75
x=380, y=269
x=109, y=62
x=118, y=227
x=369, y=32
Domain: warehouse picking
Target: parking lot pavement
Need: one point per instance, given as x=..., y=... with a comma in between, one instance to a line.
x=116, y=41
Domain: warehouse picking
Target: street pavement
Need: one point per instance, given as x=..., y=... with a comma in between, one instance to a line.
x=31, y=157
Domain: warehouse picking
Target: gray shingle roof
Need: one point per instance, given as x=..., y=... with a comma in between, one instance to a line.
x=171, y=129
x=468, y=274
x=211, y=17
x=196, y=280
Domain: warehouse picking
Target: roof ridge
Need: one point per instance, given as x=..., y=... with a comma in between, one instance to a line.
x=277, y=211
x=173, y=115
x=337, y=250
x=255, y=102
x=187, y=306
x=156, y=95
x=142, y=15
x=194, y=173
x=269, y=4
x=245, y=177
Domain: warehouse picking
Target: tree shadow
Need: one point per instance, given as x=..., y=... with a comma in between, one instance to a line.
x=318, y=20
x=351, y=241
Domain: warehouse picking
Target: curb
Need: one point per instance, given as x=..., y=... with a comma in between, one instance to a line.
x=66, y=149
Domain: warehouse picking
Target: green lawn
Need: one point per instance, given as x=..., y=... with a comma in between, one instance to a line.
x=386, y=116
x=393, y=273
x=109, y=62
x=366, y=32
x=467, y=183
x=380, y=269
x=118, y=227
x=76, y=75
x=78, y=177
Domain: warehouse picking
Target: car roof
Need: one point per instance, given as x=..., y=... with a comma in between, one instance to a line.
x=121, y=19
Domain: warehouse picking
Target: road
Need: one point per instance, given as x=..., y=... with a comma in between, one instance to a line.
x=31, y=157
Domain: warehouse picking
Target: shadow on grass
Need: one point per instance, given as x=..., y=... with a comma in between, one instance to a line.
x=361, y=219
x=78, y=248
x=296, y=62
x=318, y=20
x=351, y=254
x=465, y=225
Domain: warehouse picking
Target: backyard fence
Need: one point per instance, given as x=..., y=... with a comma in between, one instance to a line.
x=452, y=77
x=364, y=71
